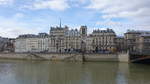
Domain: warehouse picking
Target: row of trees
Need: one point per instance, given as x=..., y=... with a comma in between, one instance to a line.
x=6, y=45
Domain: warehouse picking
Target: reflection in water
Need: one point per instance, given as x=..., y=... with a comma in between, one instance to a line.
x=139, y=74
x=28, y=72
x=123, y=73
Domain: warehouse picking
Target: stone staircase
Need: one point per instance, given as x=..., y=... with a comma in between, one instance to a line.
x=73, y=57
x=35, y=56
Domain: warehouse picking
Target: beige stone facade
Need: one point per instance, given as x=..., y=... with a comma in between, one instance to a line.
x=120, y=44
x=134, y=40
x=143, y=44
x=103, y=40
x=61, y=39
x=32, y=43
x=130, y=39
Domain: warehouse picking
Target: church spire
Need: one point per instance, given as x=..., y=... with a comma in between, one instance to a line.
x=60, y=23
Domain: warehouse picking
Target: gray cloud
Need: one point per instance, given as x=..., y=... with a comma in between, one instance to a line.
x=136, y=10
x=12, y=27
x=48, y=4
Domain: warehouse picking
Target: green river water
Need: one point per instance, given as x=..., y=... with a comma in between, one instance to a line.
x=45, y=72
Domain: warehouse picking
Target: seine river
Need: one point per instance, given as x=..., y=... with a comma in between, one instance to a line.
x=40, y=72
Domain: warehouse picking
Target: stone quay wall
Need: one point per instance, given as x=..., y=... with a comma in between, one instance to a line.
x=122, y=57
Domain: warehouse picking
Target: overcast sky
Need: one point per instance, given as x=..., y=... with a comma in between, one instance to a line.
x=34, y=16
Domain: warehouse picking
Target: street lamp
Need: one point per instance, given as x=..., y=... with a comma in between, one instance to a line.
x=83, y=50
x=57, y=47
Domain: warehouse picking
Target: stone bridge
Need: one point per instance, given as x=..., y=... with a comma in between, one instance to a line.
x=137, y=58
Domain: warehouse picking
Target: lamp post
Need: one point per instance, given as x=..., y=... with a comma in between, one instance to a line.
x=57, y=47
x=83, y=50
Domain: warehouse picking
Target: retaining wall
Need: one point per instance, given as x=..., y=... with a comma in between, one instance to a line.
x=67, y=57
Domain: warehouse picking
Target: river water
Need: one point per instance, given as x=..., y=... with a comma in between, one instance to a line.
x=45, y=72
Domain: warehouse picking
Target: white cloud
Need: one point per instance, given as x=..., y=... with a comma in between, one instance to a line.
x=120, y=27
x=49, y=4
x=18, y=15
x=82, y=1
x=12, y=27
x=77, y=3
x=6, y=2
x=136, y=10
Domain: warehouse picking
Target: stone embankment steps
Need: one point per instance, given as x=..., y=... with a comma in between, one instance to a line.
x=35, y=56
x=70, y=58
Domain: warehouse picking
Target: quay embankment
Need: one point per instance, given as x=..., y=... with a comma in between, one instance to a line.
x=121, y=57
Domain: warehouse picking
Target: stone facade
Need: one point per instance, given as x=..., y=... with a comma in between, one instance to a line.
x=32, y=43
x=103, y=40
x=130, y=39
x=61, y=40
x=143, y=44
x=120, y=44
x=134, y=40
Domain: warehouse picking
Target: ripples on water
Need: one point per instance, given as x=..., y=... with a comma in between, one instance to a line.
x=30, y=72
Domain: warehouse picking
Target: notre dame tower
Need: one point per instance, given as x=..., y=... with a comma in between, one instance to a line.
x=83, y=31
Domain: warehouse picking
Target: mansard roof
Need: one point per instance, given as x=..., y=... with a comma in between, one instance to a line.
x=58, y=28
x=145, y=35
x=103, y=31
x=137, y=32
x=40, y=35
